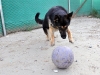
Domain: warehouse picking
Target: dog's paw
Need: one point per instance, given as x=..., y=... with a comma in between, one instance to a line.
x=71, y=41
x=47, y=39
x=55, y=36
x=52, y=43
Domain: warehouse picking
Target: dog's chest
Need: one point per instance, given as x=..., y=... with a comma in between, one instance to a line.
x=52, y=25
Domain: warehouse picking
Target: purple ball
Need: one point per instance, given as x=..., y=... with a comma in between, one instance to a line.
x=62, y=57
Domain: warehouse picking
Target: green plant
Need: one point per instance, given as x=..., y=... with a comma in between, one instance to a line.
x=28, y=29
x=94, y=13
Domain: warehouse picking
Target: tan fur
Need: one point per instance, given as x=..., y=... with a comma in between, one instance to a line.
x=51, y=33
x=69, y=35
x=51, y=36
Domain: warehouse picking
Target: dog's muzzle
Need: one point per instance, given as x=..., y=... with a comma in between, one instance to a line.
x=63, y=36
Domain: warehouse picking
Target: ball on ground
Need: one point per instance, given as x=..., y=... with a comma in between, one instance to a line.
x=62, y=57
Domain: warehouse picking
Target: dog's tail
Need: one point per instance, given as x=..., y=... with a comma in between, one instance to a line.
x=37, y=19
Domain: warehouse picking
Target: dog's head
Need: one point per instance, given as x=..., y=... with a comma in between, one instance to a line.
x=62, y=22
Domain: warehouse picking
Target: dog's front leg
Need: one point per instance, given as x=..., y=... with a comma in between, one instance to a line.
x=69, y=35
x=51, y=35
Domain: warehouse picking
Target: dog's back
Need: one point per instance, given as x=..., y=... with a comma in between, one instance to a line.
x=57, y=10
x=51, y=13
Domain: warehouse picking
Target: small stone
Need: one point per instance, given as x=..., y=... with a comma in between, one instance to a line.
x=76, y=61
x=1, y=59
x=35, y=60
x=42, y=69
x=55, y=71
x=76, y=46
x=89, y=16
x=7, y=36
x=90, y=46
x=98, y=46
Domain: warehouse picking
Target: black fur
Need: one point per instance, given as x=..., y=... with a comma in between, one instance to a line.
x=59, y=17
x=37, y=19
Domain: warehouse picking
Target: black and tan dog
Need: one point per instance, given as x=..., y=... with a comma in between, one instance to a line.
x=57, y=18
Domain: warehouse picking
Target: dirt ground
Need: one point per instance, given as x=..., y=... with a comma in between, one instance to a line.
x=28, y=53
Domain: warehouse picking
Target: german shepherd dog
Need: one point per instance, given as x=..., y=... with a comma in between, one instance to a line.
x=57, y=18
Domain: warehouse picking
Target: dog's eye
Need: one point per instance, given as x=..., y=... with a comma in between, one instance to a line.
x=56, y=20
x=62, y=26
x=65, y=26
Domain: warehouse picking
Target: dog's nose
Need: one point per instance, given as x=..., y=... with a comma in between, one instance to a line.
x=63, y=36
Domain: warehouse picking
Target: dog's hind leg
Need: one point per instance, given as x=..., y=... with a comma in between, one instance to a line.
x=70, y=36
x=46, y=31
x=46, y=28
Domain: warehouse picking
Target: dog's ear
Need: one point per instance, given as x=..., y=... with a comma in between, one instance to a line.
x=70, y=14
x=57, y=18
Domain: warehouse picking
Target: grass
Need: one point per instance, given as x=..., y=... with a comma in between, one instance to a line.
x=94, y=13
